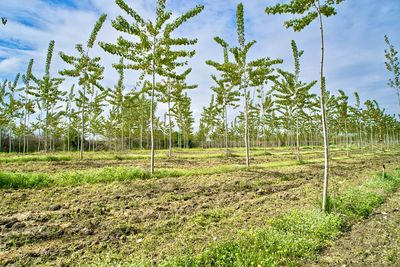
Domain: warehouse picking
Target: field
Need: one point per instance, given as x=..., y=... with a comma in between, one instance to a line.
x=196, y=208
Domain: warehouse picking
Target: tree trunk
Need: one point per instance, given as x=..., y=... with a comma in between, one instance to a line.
x=9, y=141
x=324, y=119
x=226, y=130
x=298, y=156
x=46, y=131
x=122, y=130
x=83, y=124
x=246, y=127
x=152, y=108
x=347, y=139
x=169, y=124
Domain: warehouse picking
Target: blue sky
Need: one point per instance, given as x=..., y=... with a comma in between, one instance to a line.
x=354, y=40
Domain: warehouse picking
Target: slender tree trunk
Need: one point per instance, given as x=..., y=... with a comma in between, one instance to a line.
x=39, y=140
x=169, y=124
x=83, y=124
x=141, y=135
x=324, y=119
x=68, y=141
x=46, y=131
x=24, y=134
x=122, y=131
x=9, y=141
x=226, y=130
x=347, y=139
x=297, y=139
x=246, y=126
x=152, y=108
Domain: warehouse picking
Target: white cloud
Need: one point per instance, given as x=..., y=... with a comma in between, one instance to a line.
x=354, y=40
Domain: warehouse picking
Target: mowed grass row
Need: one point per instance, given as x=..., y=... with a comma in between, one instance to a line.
x=161, y=154
x=16, y=180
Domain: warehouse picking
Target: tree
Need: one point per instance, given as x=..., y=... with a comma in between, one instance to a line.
x=293, y=96
x=12, y=108
x=311, y=10
x=88, y=71
x=117, y=99
x=153, y=53
x=3, y=111
x=183, y=115
x=343, y=116
x=239, y=72
x=48, y=92
x=70, y=114
x=171, y=92
x=225, y=92
x=356, y=113
x=393, y=65
x=208, y=120
x=27, y=103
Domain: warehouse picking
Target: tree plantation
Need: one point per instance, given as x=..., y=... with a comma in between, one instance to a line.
x=276, y=170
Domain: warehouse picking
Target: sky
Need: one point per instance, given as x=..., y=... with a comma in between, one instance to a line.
x=354, y=41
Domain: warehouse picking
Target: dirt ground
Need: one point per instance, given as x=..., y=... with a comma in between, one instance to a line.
x=157, y=218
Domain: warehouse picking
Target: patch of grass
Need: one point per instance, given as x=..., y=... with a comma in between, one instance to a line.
x=283, y=241
x=111, y=174
x=30, y=158
x=360, y=202
x=38, y=180
x=210, y=216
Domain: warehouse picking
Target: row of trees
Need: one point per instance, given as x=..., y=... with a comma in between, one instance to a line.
x=275, y=107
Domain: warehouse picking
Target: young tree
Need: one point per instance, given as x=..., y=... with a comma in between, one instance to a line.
x=310, y=10
x=183, y=115
x=48, y=92
x=393, y=66
x=117, y=99
x=27, y=103
x=225, y=92
x=3, y=111
x=239, y=72
x=343, y=116
x=171, y=92
x=208, y=120
x=356, y=113
x=69, y=114
x=293, y=96
x=153, y=53
x=88, y=71
x=12, y=109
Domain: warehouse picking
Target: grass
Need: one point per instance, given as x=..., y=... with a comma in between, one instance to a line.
x=196, y=221
x=361, y=201
x=144, y=154
x=30, y=158
x=298, y=235
x=41, y=180
x=283, y=241
x=17, y=180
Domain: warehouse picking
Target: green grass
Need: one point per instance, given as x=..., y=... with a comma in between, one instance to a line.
x=361, y=201
x=145, y=154
x=40, y=180
x=111, y=174
x=283, y=241
x=297, y=236
x=31, y=158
